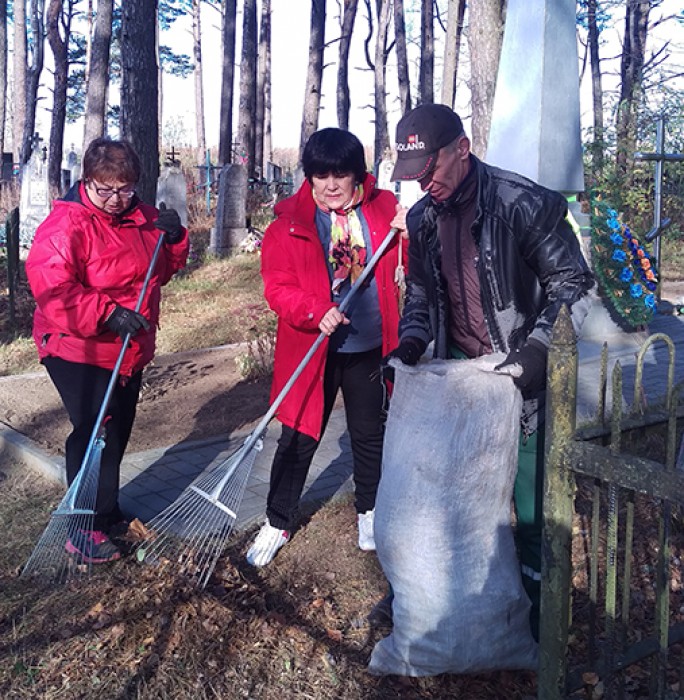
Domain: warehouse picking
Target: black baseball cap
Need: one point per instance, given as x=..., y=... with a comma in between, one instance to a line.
x=420, y=134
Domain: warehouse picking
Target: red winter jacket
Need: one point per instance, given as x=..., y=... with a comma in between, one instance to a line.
x=297, y=288
x=82, y=263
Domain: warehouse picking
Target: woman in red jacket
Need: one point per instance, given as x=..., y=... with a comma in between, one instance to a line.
x=311, y=254
x=86, y=269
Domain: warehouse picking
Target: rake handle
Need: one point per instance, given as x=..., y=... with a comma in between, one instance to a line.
x=257, y=433
x=117, y=367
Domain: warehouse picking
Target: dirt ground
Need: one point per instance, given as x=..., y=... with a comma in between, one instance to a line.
x=186, y=396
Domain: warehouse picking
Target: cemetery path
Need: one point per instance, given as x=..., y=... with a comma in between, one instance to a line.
x=192, y=395
x=188, y=396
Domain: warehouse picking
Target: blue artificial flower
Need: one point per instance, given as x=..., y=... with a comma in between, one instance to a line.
x=635, y=290
x=652, y=286
x=614, y=224
x=619, y=255
x=650, y=301
x=611, y=213
x=616, y=238
x=626, y=274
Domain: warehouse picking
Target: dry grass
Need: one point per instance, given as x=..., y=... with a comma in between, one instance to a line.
x=296, y=629
x=213, y=302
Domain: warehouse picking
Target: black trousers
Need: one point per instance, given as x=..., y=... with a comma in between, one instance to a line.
x=357, y=375
x=82, y=388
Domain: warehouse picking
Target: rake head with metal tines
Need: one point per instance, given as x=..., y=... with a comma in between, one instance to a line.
x=50, y=560
x=192, y=532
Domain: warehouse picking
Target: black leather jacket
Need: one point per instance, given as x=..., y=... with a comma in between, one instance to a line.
x=530, y=264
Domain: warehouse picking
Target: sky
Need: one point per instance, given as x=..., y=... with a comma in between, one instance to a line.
x=289, y=56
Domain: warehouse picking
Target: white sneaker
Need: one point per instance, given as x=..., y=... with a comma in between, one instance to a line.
x=267, y=543
x=366, y=537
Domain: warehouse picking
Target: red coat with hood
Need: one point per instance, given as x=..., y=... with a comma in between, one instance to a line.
x=82, y=263
x=297, y=287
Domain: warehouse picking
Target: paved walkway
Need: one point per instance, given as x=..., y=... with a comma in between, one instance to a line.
x=152, y=480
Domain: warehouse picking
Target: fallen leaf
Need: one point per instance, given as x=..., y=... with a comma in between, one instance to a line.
x=117, y=631
x=335, y=635
x=138, y=530
x=590, y=678
x=95, y=610
x=103, y=619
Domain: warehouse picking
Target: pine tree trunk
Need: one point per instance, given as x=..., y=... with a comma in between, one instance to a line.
x=197, y=74
x=98, y=74
x=486, y=22
x=343, y=98
x=456, y=11
x=225, y=154
x=402, y=59
x=263, y=94
x=381, y=133
x=248, y=78
x=19, y=78
x=427, y=54
x=596, y=88
x=314, y=74
x=33, y=72
x=3, y=72
x=631, y=77
x=140, y=89
x=57, y=14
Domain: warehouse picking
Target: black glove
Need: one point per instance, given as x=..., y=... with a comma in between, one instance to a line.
x=527, y=366
x=124, y=321
x=170, y=222
x=409, y=351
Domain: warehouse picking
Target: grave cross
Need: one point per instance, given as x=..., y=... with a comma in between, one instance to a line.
x=659, y=157
x=171, y=157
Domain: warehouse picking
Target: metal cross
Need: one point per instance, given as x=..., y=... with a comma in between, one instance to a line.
x=660, y=157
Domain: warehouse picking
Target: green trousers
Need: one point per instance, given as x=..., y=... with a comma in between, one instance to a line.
x=527, y=499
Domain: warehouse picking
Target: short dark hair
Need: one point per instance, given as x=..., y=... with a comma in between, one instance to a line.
x=106, y=159
x=336, y=151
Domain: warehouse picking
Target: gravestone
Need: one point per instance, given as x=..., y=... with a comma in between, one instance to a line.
x=384, y=176
x=34, y=203
x=273, y=172
x=231, y=211
x=536, y=129
x=172, y=190
x=408, y=192
x=69, y=169
x=71, y=157
x=7, y=167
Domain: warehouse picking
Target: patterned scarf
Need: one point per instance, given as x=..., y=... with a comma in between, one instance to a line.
x=347, y=252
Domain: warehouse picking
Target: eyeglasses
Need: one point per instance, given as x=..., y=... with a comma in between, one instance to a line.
x=108, y=192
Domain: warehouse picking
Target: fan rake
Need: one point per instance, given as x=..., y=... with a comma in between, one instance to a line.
x=50, y=559
x=192, y=532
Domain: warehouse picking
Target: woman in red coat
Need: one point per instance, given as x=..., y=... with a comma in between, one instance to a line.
x=318, y=245
x=86, y=269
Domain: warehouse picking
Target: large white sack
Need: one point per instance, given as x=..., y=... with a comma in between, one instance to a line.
x=443, y=523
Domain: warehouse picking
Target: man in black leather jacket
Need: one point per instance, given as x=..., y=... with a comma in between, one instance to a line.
x=492, y=259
